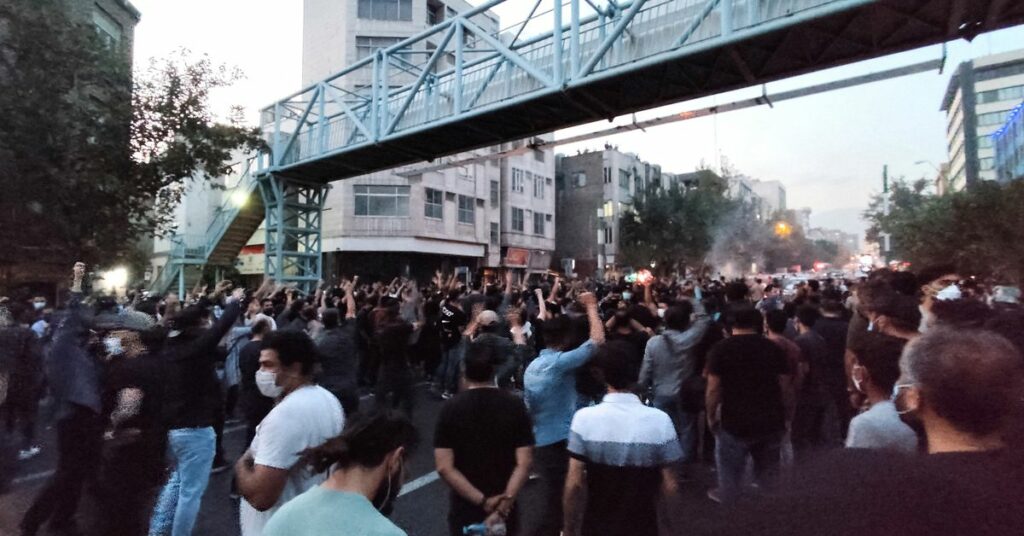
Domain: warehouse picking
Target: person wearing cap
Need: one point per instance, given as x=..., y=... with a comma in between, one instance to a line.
x=488, y=330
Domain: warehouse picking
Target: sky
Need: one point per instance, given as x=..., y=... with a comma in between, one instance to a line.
x=828, y=150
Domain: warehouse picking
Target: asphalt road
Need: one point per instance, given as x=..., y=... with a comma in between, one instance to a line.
x=421, y=509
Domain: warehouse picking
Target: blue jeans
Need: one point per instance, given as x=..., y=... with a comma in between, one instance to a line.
x=191, y=451
x=448, y=371
x=685, y=423
x=731, y=459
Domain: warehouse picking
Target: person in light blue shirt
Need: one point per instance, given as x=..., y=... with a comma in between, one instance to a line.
x=369, y=469
x=550, y=393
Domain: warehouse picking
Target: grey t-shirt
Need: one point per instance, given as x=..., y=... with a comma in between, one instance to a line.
x=881, y=428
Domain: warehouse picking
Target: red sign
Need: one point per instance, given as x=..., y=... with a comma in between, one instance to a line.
x=517, y=257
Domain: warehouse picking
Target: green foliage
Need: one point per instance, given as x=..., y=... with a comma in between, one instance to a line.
x=91, y=158
x=674, y=226
x=980, y=230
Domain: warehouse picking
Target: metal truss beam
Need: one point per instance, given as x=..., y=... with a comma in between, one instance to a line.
x=294, y=220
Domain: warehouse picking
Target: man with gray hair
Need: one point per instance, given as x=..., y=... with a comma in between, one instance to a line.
x=962, y=387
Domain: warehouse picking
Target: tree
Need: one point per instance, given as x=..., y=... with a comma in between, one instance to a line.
x=91, y=159
x=980, y=230
x=675, y=226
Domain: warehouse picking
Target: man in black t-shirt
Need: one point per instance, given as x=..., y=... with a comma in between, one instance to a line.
x=749, y=397
x=450, y=323
x=483, y=445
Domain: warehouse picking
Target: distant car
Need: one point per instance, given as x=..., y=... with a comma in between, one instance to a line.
x=791, y=286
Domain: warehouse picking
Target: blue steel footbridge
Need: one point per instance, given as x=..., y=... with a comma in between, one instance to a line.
x=458, y=86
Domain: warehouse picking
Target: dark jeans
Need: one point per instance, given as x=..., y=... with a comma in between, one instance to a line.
x=816, y=426
x=398, y=383
x=8, y=457
x=447, y=375
x=552, y=463
x=685, y=422
x=731, y=457
x=79, y=437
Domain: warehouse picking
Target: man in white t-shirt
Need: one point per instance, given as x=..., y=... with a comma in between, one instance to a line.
x=270, y=473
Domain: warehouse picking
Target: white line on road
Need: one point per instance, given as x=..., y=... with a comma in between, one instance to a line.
x=420, y=482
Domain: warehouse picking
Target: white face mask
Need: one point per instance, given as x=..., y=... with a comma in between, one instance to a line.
x=661, y=313
x=627, y=296
x=266, y=382
x=39, y=306
x=949, y=293
x=113, y=346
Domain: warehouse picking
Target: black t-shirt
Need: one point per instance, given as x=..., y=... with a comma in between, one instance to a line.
x=749, y=367
x=452, y=321
x=484, y=427
x=638, y=344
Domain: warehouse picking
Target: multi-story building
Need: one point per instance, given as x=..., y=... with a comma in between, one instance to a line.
x=849, y=243
x=594, y=190
x=491, y=213
x=1009, y=143
x=979, y=99
x=772, y=195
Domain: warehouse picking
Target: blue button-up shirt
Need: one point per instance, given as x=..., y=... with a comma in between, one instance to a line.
x=550, y=395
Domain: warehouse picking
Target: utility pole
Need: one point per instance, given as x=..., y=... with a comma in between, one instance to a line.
x=886, y=249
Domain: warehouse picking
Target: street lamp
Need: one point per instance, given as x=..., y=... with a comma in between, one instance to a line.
x=783, y=229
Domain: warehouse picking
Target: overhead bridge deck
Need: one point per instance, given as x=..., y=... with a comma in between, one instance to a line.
x=623, y=58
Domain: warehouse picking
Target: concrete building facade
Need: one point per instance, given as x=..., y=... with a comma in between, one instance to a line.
x=594, y=191
x=772, y=195
x=979, y=99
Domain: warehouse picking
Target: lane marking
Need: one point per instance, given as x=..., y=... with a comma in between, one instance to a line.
x=420, y=482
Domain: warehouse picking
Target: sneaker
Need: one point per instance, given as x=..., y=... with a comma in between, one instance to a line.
x=29, y=453
x=714, y=495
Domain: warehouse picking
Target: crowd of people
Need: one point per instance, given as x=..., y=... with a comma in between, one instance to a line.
x=888, y=402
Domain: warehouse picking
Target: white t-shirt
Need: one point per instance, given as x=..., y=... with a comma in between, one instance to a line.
x=880, y=427
x=305, y=418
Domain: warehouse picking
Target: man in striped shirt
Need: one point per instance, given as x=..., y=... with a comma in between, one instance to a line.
x=622, y=452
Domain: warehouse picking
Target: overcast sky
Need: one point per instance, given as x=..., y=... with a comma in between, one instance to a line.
x=828, y=150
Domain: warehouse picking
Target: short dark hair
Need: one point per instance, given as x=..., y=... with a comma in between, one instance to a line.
x=481, y=357
x=832, y=307
x=365, y=441
x=610, y=365
x=931, y=273
x=332, y=318
x=736, y=291
x=777, y=321
x=970, y=378
x=261, y=326
x=880, y=355
x=808, y=315
x=292, y=347
x=749, y=319
x=677, y=317
x=558, y=332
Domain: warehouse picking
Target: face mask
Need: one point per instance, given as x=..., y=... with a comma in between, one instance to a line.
x=266, y=382
x=949, y=293
x=387, y=494
x=661, y=313
x=113, y=346
x=627, y=295
x=38, y=306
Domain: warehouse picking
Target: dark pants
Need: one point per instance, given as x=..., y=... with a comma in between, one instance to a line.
x=8, y=455
x=20, y=412
x=731, y=456
x=552, y=464
x=816, y=427
x=79, y=437
x=396, y=382
x=133, y=469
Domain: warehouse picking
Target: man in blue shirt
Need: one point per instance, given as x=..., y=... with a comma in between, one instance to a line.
x=550, y=392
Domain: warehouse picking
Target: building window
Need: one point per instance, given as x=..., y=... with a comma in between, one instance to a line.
x=109, y=30
x=517, y=180
x=434, y=205
x=538, y=223
x=367, y=45
x=624, y=179
x=495, y=232
x=607, y=175
x=538, y=187
x=495, y=193
x=385, y=9
x=1002, y=71
x=604, y=236
x=373, y=200
x=1014, y=93
x=984, y=142
x=986, y=163
x=518, y=218
x=467, y=209
x=435, y=14
x=993, y=118
x=538, y=155
x=579, y=179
